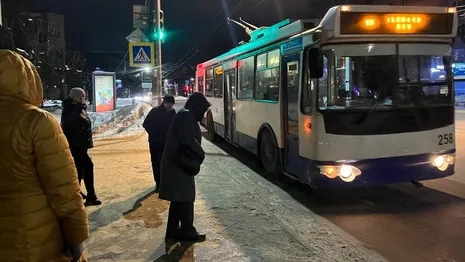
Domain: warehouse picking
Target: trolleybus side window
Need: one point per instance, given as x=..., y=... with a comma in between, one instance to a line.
x=308, y=88
x=267, y=77
x=246, y=78
x=209, y=83
x=200, y=84
x=218, y=83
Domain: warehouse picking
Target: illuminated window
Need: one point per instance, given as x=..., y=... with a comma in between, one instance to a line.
x=273, y=58
x=261, y=61
x=209, y=83
x=246, y=78
x=218, y=83
x=200, y=84
x=267, y=77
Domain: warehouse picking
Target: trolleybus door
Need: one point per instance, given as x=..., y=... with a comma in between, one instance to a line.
x=291, y=76
x=229, y=105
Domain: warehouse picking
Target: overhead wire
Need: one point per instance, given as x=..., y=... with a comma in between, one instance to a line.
x=212, y=32
x=122, y=61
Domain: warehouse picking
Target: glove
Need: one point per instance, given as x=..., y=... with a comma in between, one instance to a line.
x=74, y=252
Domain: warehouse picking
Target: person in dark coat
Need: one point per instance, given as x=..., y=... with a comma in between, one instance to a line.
x=180, y=164
x=156, y=124
x=77, y=128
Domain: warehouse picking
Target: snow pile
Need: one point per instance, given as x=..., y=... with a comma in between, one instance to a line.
x=97, y=119
x=181, y=98
x=460, y=100
x=100, y=118
x=55, y=111
x=125, y=122
x=52, y=103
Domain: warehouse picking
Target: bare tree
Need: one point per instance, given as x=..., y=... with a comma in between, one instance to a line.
x=41, y=42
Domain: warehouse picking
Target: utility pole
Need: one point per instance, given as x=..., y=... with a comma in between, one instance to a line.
x=1, y=16
x=157, y=76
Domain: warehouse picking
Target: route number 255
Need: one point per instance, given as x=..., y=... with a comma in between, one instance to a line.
x=445, y=139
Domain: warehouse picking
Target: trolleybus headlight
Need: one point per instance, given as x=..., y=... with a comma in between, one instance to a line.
x=329, y=171
x=443, y=162
x=439, y=161
x=347, y=173
x=450, y=160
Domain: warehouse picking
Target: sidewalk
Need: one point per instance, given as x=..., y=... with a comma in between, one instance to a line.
x=246, y=217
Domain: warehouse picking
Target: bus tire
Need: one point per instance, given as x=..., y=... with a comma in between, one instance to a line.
x=269, y=154
x=211, y=133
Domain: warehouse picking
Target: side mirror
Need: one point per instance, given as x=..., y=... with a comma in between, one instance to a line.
x=315, y=62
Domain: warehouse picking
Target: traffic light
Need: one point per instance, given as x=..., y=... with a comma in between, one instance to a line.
x=160, y=33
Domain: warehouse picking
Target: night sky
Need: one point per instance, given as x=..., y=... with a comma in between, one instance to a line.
x=102, y=25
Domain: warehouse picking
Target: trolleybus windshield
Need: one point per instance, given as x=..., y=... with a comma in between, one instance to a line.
x=387, y=81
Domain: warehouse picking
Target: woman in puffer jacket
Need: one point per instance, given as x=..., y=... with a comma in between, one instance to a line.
x=42, y=215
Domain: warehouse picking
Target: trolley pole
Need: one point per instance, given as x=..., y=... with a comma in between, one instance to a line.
x=157, y=76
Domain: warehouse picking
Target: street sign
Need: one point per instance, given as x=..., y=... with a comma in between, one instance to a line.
x=137, y=36
x=140, y=16
x=147, y=85
x=141, y=54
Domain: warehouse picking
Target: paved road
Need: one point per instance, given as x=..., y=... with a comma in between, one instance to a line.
x=400, y=222
x=233, y=206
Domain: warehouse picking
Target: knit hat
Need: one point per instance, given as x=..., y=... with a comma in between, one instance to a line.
x=168, y=99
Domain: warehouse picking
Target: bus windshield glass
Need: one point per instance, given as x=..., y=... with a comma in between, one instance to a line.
x=387, y=81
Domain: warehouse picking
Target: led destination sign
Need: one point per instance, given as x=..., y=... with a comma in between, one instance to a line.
x=396, y=23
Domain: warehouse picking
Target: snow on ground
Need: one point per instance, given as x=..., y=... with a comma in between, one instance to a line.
x=100, y=118
x=123, y=123
x=126, y=120
x=460, y=101
x=245, y=216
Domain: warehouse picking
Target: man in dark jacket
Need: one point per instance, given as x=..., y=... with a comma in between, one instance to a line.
x=181, y=162
x=156, y=124
x=77, y=128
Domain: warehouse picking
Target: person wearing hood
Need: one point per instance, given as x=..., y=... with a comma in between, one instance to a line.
x=156, y=124
x=42, y=214
x=181, y=162
x=77, y=127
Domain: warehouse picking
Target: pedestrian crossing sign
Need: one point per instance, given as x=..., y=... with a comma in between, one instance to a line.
x=141, y=54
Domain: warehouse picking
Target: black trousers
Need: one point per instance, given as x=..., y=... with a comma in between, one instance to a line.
x=156, y=154
x=181, y=216
x=85, y=169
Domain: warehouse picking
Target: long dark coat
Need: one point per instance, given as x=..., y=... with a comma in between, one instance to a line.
x=183, y=153
x=76, y=125
x=157, y=124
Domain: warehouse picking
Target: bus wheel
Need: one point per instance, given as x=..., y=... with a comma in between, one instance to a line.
x=211, y=134
x=269, y=154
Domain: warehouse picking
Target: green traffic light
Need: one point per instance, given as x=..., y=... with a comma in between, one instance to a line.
x=161, y=35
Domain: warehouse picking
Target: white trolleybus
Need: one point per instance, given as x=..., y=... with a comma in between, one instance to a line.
x=351, y=102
